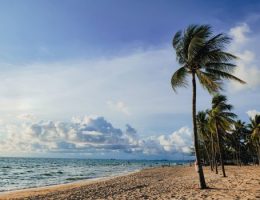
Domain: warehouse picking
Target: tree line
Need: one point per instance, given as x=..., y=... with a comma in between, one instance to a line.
x=224, y=139
x=202, y=55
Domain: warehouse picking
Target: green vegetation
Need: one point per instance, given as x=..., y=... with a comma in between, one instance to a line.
x=202, y=55
x=226, y=140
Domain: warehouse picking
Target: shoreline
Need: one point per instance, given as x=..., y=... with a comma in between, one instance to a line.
x=115, y=175
x=74, y=184
x=179, y=182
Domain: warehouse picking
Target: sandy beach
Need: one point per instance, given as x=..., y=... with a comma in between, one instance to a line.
x=156, y=183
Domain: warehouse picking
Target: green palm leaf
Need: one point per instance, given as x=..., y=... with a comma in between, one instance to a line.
x=208, y=81
x=221, y=74
x=179, y=78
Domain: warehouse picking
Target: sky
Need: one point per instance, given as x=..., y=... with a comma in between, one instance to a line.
x=91, y=79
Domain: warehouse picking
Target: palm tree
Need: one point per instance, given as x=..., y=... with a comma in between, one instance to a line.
x=221, y=119
x=208, y=137
x=255, y=134
x=204, y=135
x=201, y=54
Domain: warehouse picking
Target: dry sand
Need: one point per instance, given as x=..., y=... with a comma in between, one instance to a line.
x=156, y=183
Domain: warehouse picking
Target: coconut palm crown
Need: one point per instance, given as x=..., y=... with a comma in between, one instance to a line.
x=221, y=112
x=202, y=54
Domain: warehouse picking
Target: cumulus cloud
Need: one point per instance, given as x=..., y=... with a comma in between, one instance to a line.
x=178, y=141
x=119, y=106
x=248, y=66
x=89, y=135
x=252, y=113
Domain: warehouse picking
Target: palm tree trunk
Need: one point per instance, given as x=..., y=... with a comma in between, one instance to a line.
x=216, y=161
x=212, y=151
x=258, y=150
x=196, y=144
x=211, y=165
x=258, y=154
x=237, y=158
x=220, y=151
x=209, y=159
x=239, y=155
x=207, y=155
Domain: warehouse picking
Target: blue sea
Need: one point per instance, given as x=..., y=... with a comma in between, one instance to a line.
x=21, y=173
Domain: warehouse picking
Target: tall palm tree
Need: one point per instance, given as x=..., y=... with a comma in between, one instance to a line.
x=255, y=134
x=201, y=54
x=221, y=119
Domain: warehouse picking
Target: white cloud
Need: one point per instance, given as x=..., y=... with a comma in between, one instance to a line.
x=252, y=113
x=248, y=65
x=26, y=116
x=179, y=141
x=119, y=106
x=89, y=135
x=239, y=33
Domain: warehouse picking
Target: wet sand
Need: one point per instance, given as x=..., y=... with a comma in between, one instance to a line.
x=157, y=183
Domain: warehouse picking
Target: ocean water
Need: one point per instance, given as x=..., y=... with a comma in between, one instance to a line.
x=20, y=173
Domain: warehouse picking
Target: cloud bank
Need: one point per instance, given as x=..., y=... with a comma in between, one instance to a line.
x=90, y=135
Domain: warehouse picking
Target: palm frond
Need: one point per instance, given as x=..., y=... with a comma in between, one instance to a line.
x=215, y=43
x=208, y=81
x=218, y=98
x=177, y=43
x=229, y=114
x=224, y=106
x=216, y=55
x=176, y=39
x=193, y=38
x=218, y=41
x=225, y=75
x=179, y=78
x=195, y=44
x=223, y=66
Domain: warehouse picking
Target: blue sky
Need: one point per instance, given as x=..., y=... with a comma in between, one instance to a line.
x=110, y=62
x=54, y=30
